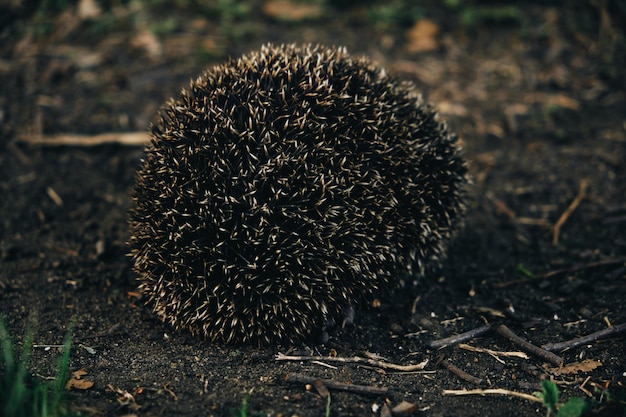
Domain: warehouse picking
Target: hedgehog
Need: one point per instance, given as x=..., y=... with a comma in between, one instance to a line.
x=286, y=187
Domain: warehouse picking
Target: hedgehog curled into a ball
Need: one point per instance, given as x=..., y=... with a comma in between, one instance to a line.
x=286, y=187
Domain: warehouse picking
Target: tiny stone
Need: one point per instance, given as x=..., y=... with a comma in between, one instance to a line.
x=396, y=329
x=100, y=247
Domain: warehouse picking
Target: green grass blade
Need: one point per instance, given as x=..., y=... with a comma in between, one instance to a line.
x=327, y=414
x=63, y=368
x=24, y=396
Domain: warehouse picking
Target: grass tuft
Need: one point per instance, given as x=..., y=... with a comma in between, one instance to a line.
x=21, y=395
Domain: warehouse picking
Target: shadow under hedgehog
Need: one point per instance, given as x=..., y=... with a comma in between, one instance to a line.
x=286, y=187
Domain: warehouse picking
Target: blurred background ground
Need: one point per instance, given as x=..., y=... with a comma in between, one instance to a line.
x=534, y=89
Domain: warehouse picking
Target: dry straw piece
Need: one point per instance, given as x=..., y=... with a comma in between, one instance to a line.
x=287, y=186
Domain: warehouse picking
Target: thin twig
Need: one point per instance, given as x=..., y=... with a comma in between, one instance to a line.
x=49, y=346
x=583, y=340
x=459, y=338
x=355, y=359
x=496, y=354
x=533, y=222
x=24, y=159
x=583, y=389
x=493, y=391
x=559, y=272
x=501, y=206
x=329, y=383
x=170, y=392
x=529, y=347
x=59, y=249
x=54, y=196
x=461, y=373
x=582, y=189
x=122, y=138
x=327, y=365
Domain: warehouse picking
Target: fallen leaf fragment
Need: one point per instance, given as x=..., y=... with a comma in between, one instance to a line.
x=421, y=37
x=289, y=11
x=562, y=100
x=385, y=411
x=88, y=10
x=124, y=399
x=405, y=408
x=321, y=388
x=147, y=42
x=587, y=365
x=449, y=108
x=76, y=381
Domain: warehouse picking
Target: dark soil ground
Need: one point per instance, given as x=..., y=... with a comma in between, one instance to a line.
x=537, y=95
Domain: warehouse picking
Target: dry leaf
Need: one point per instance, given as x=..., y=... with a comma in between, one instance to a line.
x=88, y=9
x=321, y=388
x=449, y=108
x=587, y=365
x=76, y=381
x=292, y=12
x=66, y=23
x=125, y=398
x=422, y=36
x=405, y=408
x=78, y=384
x=385, y=411
x=562, y=100
x=556, y=100
x=148, y=42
